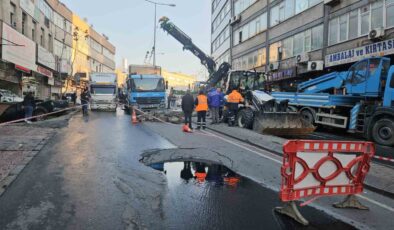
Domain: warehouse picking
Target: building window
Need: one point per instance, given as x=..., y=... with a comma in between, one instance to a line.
x=359, y=22
x=42, y=37
x=287, y=48
x=24, y=17
x=251, y=29
x=12, y=15
x=317, y=37
x=298, y=44
x=343, y=27
x=274, y=54
x=364, y=15
x=301, y=5
x=221, y=16
x=289, y=8
x=33, y=31
x=376, y=14
x=390, y=13
x=50, y=43
x=241, y=5
x=353, y=24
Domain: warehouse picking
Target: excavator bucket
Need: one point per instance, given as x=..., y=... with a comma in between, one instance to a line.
x=282, y=124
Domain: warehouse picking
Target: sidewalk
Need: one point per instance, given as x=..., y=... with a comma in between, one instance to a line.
x=18, y=145
x=379, y=179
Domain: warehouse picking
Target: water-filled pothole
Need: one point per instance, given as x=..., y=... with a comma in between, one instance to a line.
x=206, y=195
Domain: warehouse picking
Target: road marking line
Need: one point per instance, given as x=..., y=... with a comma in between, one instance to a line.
x=246, y=148
x=376, y=202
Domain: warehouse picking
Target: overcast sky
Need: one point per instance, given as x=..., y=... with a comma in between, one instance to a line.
x=129, y=26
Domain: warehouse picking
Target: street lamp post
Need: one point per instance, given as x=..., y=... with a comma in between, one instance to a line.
x=154, y=29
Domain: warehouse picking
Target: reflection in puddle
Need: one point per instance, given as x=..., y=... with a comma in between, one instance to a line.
x=205, y=195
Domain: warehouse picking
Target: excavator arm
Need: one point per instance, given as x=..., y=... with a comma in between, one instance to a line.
x=215, y=75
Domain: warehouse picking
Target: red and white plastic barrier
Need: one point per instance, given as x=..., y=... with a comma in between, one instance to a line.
x=323, y=168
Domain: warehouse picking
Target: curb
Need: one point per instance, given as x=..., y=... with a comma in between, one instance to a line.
x=366, y=186
x=11, y=177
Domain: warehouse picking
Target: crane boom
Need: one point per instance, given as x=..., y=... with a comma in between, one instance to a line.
x=214, y=75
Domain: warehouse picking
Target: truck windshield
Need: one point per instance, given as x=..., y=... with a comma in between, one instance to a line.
x=148, y=84
x=97, y=89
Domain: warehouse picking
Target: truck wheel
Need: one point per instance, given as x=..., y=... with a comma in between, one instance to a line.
x=383, y=132
x=308, y=116
x=245, y=118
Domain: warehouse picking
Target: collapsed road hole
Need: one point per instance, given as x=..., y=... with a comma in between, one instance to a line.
x=205, y=194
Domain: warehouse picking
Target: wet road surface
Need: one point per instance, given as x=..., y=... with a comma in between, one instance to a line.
x=89, y=177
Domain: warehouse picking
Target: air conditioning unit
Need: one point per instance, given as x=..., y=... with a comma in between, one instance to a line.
x=331, y=2
x=376, y=33
x=315, y=65
x=274, y=66
x=235, y=19
x=302, y=58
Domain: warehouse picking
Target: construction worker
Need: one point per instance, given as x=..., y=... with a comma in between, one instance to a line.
x=187, y=108
x=233, y=99
x=201, y=103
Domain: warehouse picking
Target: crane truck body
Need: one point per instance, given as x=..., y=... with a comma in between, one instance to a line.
x=360, y=100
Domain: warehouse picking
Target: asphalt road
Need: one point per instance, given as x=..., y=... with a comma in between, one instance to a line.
x=90, y=177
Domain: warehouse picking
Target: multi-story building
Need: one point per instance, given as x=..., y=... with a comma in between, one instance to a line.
x=294, y=40
x=220, y=30
x=38, y=46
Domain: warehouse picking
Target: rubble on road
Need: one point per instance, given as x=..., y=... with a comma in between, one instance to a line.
x=171, y=116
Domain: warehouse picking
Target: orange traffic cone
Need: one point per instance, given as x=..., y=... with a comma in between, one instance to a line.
x=186, y=129
x=134, y=117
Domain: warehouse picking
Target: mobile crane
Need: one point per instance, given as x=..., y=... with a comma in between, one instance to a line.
x=360, y=100
x=259, y=111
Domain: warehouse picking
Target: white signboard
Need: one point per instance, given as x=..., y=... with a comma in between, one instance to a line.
x=18, y=49
x=382, y=48
x=65, y=66
x=46, y=58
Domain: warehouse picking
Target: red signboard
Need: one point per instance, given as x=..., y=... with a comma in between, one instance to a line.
x=44, y=71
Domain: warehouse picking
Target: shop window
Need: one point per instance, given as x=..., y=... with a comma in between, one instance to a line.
x=377, y=14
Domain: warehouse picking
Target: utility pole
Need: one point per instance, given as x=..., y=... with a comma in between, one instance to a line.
x=154, y=25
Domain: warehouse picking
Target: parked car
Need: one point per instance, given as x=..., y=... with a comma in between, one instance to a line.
x=8, y=96
x=14, y=110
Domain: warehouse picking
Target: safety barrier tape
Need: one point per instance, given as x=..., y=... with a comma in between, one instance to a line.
x=384, y=158
x=42, y=115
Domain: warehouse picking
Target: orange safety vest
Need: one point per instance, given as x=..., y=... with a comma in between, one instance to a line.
x=202, y=103
x=235, y=97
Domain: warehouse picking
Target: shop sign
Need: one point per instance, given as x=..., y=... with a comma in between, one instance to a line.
x=65, y=66
x=44, y=71
x=283, y=74
x=58, y=83
x=18, y=49
x=51, y=81
x=46, y=58
x=381, y=48
x=29, y=7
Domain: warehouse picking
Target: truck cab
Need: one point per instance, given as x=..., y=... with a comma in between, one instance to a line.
x=145, y=91
x=103, y=90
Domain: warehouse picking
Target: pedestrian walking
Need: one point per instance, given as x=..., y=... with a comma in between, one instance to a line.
x=85, y=98
x=201, y=103
x=169, y=98
x=214, y=105
x=187, y=108
x=222, y=102
x=233, y=99
x=74, y=97
x=28, y=104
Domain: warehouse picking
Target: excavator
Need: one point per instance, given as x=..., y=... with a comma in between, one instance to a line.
x=260, y=110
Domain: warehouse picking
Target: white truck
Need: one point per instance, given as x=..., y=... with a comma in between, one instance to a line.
x=104, y=91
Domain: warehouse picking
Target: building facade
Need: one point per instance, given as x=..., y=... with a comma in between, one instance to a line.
x=295, y=40
x=38, y=47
